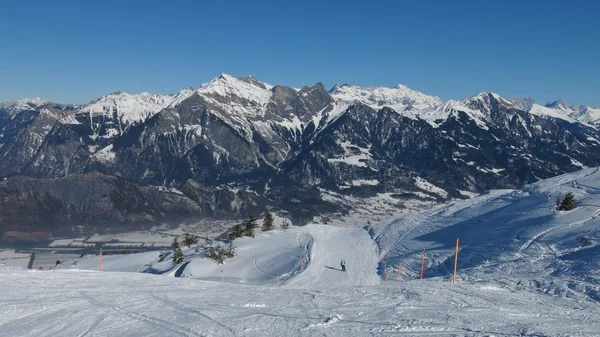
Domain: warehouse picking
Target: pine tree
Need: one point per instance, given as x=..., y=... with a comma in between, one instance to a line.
x=57, y=262
x=231, y=251
x=250, y=226
x=178, y=257
x=190, y=240
x=568, y=203
x=210, y=253
x=268, y=222
x=237, y=232
x=285, y=224
x=177, y=253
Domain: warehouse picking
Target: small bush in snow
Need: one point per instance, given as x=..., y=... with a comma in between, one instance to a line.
x=219, y=254
x=584, y=242
x=285, y=224
x=568, y=202
x=190, y=240
x=161, y=257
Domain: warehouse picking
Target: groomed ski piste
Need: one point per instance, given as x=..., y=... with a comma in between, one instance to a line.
x=524, y=269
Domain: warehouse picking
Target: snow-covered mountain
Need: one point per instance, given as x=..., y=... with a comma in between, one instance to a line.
x=284, y=145
x=11, y=108
x=400, y=98
x=559, y=109
x=129, y=108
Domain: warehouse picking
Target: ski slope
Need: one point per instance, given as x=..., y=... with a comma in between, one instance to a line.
x=85, y=303
x=510, y=237
x=522, y=271
x=329, y=246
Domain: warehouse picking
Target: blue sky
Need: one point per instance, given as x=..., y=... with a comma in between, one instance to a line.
x=75, y=51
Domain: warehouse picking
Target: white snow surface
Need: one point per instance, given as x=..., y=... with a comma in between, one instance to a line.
x=130, y=107
x=14, y=107
x=543, y=111
x=399, y=98
x=588, y=115
x=227, y=86
x=511, y=238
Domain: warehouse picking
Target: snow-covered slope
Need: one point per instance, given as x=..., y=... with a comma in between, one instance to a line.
x=514, y=233
x=130, y=107
x=70, y=304
x=543, y=111
x=513, y=237
x=588, y=115
x=559, y=109
x=14, y=107
x=400, y=98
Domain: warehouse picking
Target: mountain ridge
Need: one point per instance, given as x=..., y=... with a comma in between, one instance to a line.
x=294, y=147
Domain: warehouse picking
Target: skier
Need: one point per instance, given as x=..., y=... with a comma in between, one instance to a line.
x=343, y=264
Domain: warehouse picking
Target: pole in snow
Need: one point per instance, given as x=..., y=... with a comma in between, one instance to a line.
x=455, y=262
x=386, y=273
x=422, y=264
x=100, y=259
x=222, y=276
x=398, y=272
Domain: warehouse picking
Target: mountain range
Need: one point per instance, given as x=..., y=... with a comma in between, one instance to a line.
x=236, y=146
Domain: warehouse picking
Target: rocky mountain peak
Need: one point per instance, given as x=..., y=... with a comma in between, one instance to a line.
x=11, y=108
x=559, y=105
x=523, y=103
x=397, y=98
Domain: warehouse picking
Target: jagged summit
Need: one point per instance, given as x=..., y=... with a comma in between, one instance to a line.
x=398, y=98
x=130, y=107
x=11, y=108
x=523, y=103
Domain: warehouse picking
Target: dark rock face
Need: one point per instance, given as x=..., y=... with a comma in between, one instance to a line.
x=241, y=145
x=90, y=199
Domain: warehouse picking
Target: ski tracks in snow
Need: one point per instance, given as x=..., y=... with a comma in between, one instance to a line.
x=329, y=246
x=160, y=323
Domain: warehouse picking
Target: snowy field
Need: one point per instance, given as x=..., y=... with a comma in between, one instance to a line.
x=524, y=269
x=10, y=258
x=67, y=303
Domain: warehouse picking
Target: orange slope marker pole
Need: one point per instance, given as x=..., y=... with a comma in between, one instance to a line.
x=100, y=260
x=455, y=262
x=422, y=264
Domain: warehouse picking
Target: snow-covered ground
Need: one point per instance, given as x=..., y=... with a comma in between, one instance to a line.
x=11, y=258
x=516, y=238
x=66, y=303
x=523, y=270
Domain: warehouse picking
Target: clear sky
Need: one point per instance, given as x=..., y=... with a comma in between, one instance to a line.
x=75, y=51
